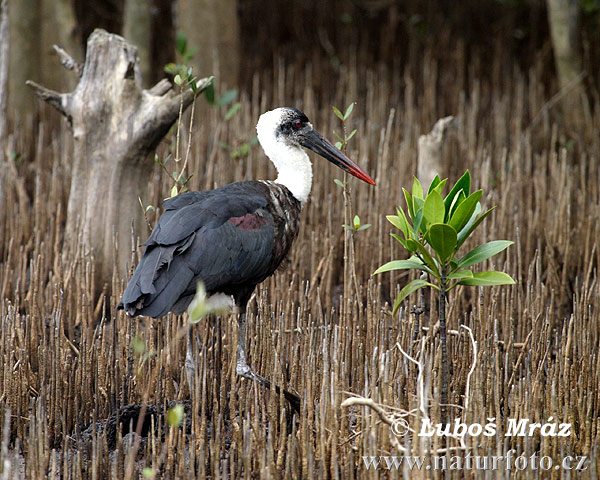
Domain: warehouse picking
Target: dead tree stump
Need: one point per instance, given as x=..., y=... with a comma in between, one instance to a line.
x=116, y=125
x=429, y=161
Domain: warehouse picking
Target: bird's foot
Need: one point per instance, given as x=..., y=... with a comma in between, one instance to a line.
x=244, y=370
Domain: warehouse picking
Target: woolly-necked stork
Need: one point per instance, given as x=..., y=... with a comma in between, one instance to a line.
x=236, y=236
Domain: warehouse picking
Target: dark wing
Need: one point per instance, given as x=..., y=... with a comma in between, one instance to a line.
x=223, y=237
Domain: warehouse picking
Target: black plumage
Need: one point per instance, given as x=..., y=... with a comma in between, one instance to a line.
x=231, y=239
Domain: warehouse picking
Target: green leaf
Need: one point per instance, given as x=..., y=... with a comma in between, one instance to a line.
x=463, y=184
x=170, y=68
x=149, y=208
x=418, y=221
x=410, y=264
x=458, y=199
x=485, y=279
x=433, y=208
x=180, y=43
x=402, y=215
x=232, y=111
x=410, y=288
x=363, y=227
x=174, y=191
x=417, y=189
x=338, y=113
x=349, y=110
x=352, y=133
x=434, y=183
x=442, y=238
x=429, y=260
x=228, y=97
x=472, y=224
x=338, y=145
x=483, y=252
x=356, y=221
x=400, y=223
x=399, y=239
x=137, y=345
x=440, y=186
x=175, y=415
x=464, y=211
x=178, y=80
x=209, y=94
x=409, y=203
x=339, y=183
x=412, y=245
x=147, y=472
x=460, y=274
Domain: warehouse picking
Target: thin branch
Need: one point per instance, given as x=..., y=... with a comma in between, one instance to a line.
x=51, y=97
x=160, y=88
x=68, y=61
x=473, y=365
x=189, y=145
x=420, y=377
x=383, y=416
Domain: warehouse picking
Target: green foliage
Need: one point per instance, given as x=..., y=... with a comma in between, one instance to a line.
x=434, y=228
x=148, y=472
x=138, y=346
x=343, y=140
x=182, y=73
x=200, y=307
x=341, y=144
x=356, y=225
x=175, y=416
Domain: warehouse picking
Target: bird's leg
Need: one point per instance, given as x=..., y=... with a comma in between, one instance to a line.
x=190, y=361
x=243, y=369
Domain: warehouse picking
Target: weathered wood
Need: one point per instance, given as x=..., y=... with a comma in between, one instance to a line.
x=116, y=125
x=564, y=17
x=429, y=160
x=68, y=62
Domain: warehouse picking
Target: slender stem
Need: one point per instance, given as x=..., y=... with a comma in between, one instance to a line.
x=444, y=377
x=179, y=125
x=189, y=145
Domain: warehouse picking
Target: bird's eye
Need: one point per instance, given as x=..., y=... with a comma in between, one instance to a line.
x=297, y=123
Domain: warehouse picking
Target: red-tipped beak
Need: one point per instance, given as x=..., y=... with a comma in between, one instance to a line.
x=319, y=144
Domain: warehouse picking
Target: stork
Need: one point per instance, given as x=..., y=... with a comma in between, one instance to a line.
x=236, y=236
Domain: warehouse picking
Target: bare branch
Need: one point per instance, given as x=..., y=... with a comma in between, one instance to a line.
x=160, y=88
x=383, y=416
x=68, y=61
x=57, y=100
x=473, y=365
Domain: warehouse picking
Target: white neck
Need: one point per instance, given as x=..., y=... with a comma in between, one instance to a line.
x=294, y=171
x=291, y=161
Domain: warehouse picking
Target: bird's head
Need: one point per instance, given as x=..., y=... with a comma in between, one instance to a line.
x=288, y=128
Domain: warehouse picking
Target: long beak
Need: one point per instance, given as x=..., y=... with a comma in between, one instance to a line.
x=318, y=144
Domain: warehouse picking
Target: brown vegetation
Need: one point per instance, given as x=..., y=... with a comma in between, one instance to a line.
x=66, y=361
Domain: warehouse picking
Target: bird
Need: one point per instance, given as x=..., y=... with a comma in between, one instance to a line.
x=234, y=237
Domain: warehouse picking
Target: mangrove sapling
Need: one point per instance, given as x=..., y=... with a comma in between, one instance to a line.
x=433, y=231
x=356, y=226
